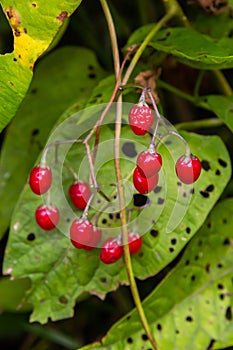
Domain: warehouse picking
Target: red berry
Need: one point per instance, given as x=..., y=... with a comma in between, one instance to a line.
x=142, y=184
x=47, y=217
x=141, y=118
x=81, y=234
x=149, y=163
x=111, y=251
x=80, y=193
x=40, y=179
x=96, y=237
x=135, y=242
x=188, y=169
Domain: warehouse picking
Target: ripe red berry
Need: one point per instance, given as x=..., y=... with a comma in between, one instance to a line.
x=40, y=179
x=81, y=234
x=135, y=242
x=47, y=217
x=111, y=251
x=188, y=169
x=141, y=118
x=142, y=184
x=80, y=193
x=149, y=163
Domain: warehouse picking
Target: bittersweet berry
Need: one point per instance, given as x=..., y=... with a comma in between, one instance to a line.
x=80, y=193
x=142, y=184
x=81, y=234
x=135, y=242
x=188, y=169
x=40, y=179
x=149, y=163
x=47, y=217
x=111, y=251
x=141, y=118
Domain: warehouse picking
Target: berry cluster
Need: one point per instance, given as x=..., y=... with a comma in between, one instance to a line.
x=83, y=234
x=149, y=162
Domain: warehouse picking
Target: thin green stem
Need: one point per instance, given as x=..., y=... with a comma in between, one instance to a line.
x=173, y=5
x=145, y=42
x=200, y=124
x=196, y=101
x=198, y=83
x=222, y=83
x=113, y=37
x=128, y=263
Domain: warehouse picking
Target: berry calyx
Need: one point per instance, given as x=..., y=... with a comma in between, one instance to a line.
x=111, y=251
x=141, y=118
x=143, y=184
x=188, y=169
x=47, y=217
x=80, y=193
x=81, y=234
x=135, y=242
x=149, y=163
x=40, y=179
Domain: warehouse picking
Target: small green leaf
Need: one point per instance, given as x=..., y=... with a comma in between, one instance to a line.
x=222, y=106
x=34, y=25
x=189, y=46
x=174, y=216
x=63, y=78
x=193, y=305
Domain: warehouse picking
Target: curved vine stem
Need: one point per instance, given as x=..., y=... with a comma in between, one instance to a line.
x=145, y=42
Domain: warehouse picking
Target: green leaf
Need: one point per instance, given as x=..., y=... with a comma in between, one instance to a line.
x=63, y=78
x=193, y=305
x=59, y=272
x=222, y=106
x=189, y=46
x=34, y=25
x=11, y=294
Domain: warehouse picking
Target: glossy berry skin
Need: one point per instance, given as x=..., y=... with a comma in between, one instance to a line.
x=81, y=234
x=40, y=179
x=111, y=251
x=141, y=118
x=149, y=163
x=142, y=184
x=188, y=169
x=135, y=242
x=80, y=193
x=47, y=217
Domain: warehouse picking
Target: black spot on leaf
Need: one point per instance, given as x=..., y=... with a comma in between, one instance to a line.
x=144, y=337
x=226, y=241
x=228, y=313
x=224, y=221
x=103, y=279
x=140, y=200
x=173, y=241
x=104, y=221
x=222, y=162
x=31, y=237
x=205, y=194
x=188, y=230
x=35, y=132
x=221, y=296
x=220, y=286
x=193, y=277
x=63, y=300
x=187, y=262
x=219, y=266
x=209, y=188
x=160, y=201
x=129, y=340
x=129, y=150
x=189, y=319
x=92, y=75
x=207, y=268
x=211, y=343
x=157, y=189
x=217, y=172
x=205, y=165
x=154, y=233
x=171, y=250
x=159, y=327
